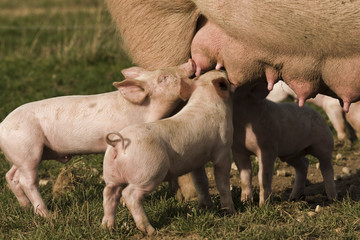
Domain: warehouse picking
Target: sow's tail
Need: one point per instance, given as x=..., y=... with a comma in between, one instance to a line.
x=112, y=141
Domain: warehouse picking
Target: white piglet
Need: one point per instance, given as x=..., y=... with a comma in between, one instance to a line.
x=58, y=128
x=141, y=156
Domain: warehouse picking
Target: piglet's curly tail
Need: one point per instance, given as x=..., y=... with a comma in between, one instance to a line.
x=112, y=142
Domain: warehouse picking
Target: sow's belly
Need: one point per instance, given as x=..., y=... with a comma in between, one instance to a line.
x=314, y=47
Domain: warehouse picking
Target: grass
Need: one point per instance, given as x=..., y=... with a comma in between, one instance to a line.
x=63, y=47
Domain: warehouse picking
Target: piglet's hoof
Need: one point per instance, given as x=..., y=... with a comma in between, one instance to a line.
x=205, y=205
x=107, y=225
x=228, y=211
x=42, y=212
x=297, y=197
x=150, y=230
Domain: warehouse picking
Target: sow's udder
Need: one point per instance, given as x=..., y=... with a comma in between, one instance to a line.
x=306, y=75
x=339, y=77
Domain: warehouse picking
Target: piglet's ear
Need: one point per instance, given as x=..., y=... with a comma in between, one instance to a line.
x=185, y=90
x=260, y=90
x=133, y=72
x=222, y=87
x=134, y=91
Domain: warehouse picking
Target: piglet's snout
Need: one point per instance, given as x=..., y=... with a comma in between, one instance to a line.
x=189, y=68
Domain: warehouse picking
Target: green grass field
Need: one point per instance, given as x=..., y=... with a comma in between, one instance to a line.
x=63, y=47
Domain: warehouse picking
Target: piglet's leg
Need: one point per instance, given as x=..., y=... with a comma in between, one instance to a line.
x=322, y=150
x=111, y=194
x=133, y=196
x=202, y=187
x=12, y=177
x=243, y=163
x=186, y=190
x=222, y=167
x=328, y=175
x=301, y=168
x=23, y=178
x=29, y=184
x=266, y=169
x=327, y=172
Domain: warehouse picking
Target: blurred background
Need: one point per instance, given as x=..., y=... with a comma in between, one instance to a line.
x=58, y=47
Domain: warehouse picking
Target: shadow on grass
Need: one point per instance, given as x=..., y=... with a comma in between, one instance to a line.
x=315, y=194
x=166, y=212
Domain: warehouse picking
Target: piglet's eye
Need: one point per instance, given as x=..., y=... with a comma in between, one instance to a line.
x=162, y=78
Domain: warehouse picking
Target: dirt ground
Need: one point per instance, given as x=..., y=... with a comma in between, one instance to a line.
x=345, y=158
